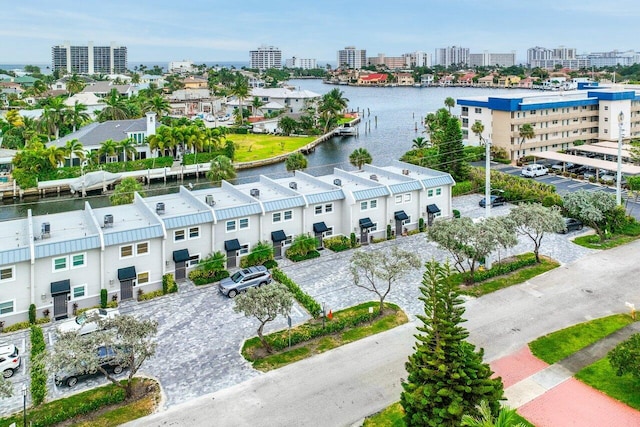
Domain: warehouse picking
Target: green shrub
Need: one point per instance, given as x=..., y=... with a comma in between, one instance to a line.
x=17, y=326
x=337, y=243
x=32, y=314
x=103, y=298
x=260, y=253
x=311, y=305
x=421, y=227
x=389, y=233
x=169, y=284
x=308, y=255
x=37, y=367
x=150, y=295
x=203, y=277
x=353, y=239
x=271, y=263
x=301, y=246
x=463, y=188
x=456, y=213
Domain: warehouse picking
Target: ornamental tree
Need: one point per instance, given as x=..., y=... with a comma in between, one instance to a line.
x=596, y=209
x=124, y=192
x=446, y=375
x=295, y=161
x=625, y=357
x=265, y=303
x=534, y=220
x=6, y=387
x=378, y=271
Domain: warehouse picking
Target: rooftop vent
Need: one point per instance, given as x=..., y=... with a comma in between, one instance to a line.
x=293, y=185
x=254, y=192
x=108, y=220
x=160, y=208
x=405, y=171
x=208, y=199
x=373, y=177
x=337, y=182
x=45, y=230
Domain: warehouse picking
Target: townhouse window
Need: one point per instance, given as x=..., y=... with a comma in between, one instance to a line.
x=430, y=192
x=126, y=251
x=364, y=206
x=244, y=249
x=288, y=215
x=438, y=191
x=478, y=110
x=194, y=232
x=277, y=217
x=178, y=235
x=231, y=225
x=79, y=291
x=318, y=209
x=328, y=207
x=373, y=204
x=60, y=264
x=6, y=307
x=142, y=248
x=374, y=228
x=193, y=260
x=288, y=240
x=243, y=223
x=407, y=221
x=398, y=199
x=407, y=197
x=77, y=260
x=328, y=233
x=143, y=278
x=7, y=273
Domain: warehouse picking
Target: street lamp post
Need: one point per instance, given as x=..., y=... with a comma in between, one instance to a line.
x=619, y=174
x=487, y=191
x=24, y=404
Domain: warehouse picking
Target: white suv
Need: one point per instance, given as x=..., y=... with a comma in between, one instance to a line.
x=534, y=170
x=9, y=359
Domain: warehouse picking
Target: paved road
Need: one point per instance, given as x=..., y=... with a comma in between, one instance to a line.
x=344, y=385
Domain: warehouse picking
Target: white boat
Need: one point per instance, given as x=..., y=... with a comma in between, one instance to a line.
x=346, y=130
x=98, y=180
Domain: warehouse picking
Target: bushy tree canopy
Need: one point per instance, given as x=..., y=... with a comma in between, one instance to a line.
x=534, y=220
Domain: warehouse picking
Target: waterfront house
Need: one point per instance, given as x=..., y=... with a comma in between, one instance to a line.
x=294, y=101
x=373, y=79
x=193, y=82
x=486, y=81
x=404, y=79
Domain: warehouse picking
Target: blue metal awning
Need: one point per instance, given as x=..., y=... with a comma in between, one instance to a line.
x=320, y=227
x=232, y=245
x=366, y=223
x=278, y=236
x=181, y=255
x=60, y=287
x=433, y=209
x=401, y=216
x=127, y=273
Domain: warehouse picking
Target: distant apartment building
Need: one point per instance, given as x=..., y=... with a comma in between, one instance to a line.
x=417, y=59
x=558, y=120
x=265, y=57
x=550, y=58
x=613, y=58
x=452, y=55
x=304, y=63
x=89, y=59
x=180, y=66
x=391, y=62
x=350, y=57
x=488, y=59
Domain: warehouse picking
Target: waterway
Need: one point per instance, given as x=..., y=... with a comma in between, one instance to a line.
x=391, y=119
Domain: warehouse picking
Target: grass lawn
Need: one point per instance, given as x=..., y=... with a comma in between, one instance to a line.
x=252, y=147
x=253, y=351
x=602, y=376
x=392, y=415
x=557, y=345
x=627, y=234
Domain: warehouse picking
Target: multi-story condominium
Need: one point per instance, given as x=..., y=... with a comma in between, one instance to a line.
x=452, y=55
x=391, y=62
x=613, y=58
x=89, y=59
x=265, y=57
x=304, y=63
x=488, y=59
x=558, y=120
x=350, y=57
x=61, y=261
x=548, y=58
x=180, y=66
x=418, y=59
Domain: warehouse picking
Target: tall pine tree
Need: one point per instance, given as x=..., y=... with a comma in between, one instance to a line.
x=451, y=150
x=447, y=377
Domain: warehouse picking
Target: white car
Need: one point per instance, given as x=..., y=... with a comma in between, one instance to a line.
x=84, y=323
x=534, y=170
x=9, y=359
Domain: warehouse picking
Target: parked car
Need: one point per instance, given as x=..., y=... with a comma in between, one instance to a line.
x=574, y=168
x=495, y=201
x=10, y=359
x=244, y=279
x=571, y=224
x=562, y=166
x=86, y=322
x=608, y=178
x=534, y=170
x=106, y=356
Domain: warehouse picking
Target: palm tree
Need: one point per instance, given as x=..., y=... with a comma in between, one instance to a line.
x=14, y=118
x=39, y=87
x=77, y=115
x=287, y=125
x=221, y=169
x=506, y=417
x=53, y=116
x=295, y=161
x=526, y=132
x=128, y=148
x=74, y=84
x=477, y=128
x=116, y=108
x=420, y=143
x=158, y=105
x=74, y=148
x=256, y=104
x=338, y=96
x=359, y=157
x=55, y=155
x=240, y=90
x=108, y=148
x=449, y=103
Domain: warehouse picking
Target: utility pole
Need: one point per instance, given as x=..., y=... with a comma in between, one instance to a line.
x=487, y=191
x=619, y=174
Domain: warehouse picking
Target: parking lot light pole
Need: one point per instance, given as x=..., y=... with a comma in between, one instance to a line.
x=619, y=174
x=24, y=404
x=487, y=178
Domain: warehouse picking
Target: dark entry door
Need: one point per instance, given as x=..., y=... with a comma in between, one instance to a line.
x=60, y=306
x=181, y=270
x=364, y=236
x=231, y=259
x=126, y=290
x=320, y=243
x=277, y=250
x=398, y=227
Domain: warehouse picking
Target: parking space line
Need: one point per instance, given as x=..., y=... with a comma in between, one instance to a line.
x=558, y=181
x=579, y=184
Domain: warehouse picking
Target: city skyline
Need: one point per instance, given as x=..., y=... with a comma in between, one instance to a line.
x=203, y=32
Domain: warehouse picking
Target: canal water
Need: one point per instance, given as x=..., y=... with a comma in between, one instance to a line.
x=391, y=119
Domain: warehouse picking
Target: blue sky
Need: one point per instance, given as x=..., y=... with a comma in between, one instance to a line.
x=213, y=30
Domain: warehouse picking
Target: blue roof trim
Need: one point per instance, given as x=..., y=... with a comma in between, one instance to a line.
x=290, y=202
x=437, y=181
x=473, y=103
x=137, y=234
x=613, y=96
x=405, y=186
x=370, y=193
x=14, y=255
x=187, y=220
x=43, y=250
x=327, y=196
x=238, y=211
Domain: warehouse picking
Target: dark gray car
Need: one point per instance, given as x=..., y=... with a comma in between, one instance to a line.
x=244, y=279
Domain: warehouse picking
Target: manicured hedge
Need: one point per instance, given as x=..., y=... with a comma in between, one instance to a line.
x=150, y=295
x=497, y=269
x=312, y=306
x=204, y=277
x=38, y=371
x=337, y=243
x=308, y=255
x=169, y=284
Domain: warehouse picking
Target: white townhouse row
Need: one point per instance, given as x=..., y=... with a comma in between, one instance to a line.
x=62, y=261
